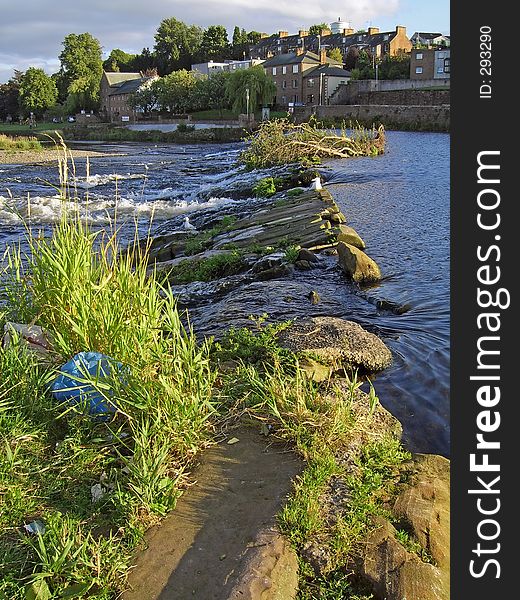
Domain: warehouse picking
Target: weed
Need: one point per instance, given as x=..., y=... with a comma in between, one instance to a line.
x=207, y=269
x=264, y=188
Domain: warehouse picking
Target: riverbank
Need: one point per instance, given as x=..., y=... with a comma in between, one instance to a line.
x=97, y=486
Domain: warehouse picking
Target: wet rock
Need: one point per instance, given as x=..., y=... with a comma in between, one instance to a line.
x=268, y=262
x=308, y=256
x=350, y=236
x=337, y=342
x=276, y=272
x=337, y=218
x=314, y=297
x=303, y=265
x=271, y=570
x=356, y=264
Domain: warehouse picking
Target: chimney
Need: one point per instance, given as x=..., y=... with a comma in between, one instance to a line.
x=263, y=35
x=303, y=33
x=323, y=56
x=373, y=30
x=349, y=31
x=325, y=32
x=283, y=34
x=400, y=29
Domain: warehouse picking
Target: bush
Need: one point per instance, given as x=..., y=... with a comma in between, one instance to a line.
x=264, y=188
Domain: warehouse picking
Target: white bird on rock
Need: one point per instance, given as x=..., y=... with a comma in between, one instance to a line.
x=316, y=184
x=188, y=226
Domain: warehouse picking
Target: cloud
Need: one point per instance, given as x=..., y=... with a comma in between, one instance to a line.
x=36, y=28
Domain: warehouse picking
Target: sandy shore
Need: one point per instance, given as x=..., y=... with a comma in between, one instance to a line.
x=24, y=157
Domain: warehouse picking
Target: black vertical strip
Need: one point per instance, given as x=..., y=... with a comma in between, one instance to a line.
x=483, y=112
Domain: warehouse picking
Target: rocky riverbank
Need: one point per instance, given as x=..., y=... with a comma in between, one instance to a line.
x=402, y=548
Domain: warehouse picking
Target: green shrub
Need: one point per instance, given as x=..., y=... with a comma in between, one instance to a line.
x=265, y=188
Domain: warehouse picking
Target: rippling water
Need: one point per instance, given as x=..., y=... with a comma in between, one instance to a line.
x=398, y=202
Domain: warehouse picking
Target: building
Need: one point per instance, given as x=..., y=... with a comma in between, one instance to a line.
x=321, y=82
x=208, y=68
x=303, y=77
x=430, y=40
x=378, y=43
x=115, y=91
x=430, y=63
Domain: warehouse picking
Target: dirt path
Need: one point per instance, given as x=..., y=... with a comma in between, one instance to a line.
x=222, y=533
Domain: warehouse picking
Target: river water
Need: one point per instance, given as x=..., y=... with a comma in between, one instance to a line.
x=398, y=202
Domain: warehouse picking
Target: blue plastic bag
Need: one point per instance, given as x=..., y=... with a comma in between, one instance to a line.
x=70, y=387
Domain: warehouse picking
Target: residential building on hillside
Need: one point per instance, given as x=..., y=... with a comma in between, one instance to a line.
x=430, y=63
x=115, y=91
x=377, y=43
x=210, y=67
x=303, y=77
x=430, y=39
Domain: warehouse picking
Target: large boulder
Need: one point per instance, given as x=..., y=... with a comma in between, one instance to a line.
x=356, y=264
x=350, y=236
x=336, y=342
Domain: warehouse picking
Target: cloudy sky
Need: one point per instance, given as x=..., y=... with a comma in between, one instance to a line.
x=31, y=31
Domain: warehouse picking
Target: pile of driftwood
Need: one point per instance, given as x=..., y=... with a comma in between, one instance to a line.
x=280, y=142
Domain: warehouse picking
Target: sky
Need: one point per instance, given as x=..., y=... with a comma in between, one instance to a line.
x=32, y=31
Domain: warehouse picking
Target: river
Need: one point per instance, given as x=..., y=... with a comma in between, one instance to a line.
x=398, y=202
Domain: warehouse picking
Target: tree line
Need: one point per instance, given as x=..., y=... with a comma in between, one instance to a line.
x=76, y=85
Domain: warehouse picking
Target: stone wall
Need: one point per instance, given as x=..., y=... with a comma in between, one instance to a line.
x=410, y=118
x=349, y=93
x=406, y=97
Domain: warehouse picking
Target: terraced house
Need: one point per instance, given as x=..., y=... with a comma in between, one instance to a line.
x=377, y=43
x=303, y=77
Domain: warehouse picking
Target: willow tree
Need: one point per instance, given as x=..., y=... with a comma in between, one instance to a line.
x=249, y=89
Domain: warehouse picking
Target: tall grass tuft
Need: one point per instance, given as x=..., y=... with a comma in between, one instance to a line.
x=19, y=143
x=92, y=295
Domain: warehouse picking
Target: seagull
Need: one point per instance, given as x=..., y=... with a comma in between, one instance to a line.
x=188, y=225
x=316, y=184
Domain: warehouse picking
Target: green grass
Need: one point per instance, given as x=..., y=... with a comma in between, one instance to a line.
x=17, y=129
x=90, y=296
x=207, y=269
x=202, y=241
x=19, y=143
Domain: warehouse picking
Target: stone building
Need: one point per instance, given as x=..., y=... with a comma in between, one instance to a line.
x=303, y=77
x=115, y=91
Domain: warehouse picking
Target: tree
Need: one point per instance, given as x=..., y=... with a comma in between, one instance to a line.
x=145, y=61
x=210, y=92
x=10, y=96
x=119, y=60
x=351, y=58
x=38, y=91
x=253, y=81
x=317, y=29
x=215, y=43
x=335, y=54
x=145, y=99
x=240, y=43
x=176, y=44
x=253, y=37
x=81, y=70
x=175, y=91
x=394, y=67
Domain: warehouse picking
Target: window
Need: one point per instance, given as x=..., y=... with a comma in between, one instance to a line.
x=284, y=70
x=274, y=70
x=418, y=70
x=295, y=83
x=310, y=82
x=284, y=84
x=440, y=55
x=359, y=38
x=446, y=65
x=440, y=69
x=418, y=56
x=295, y=68
x=284, y=99
x=385, y=36
x=310, y=98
